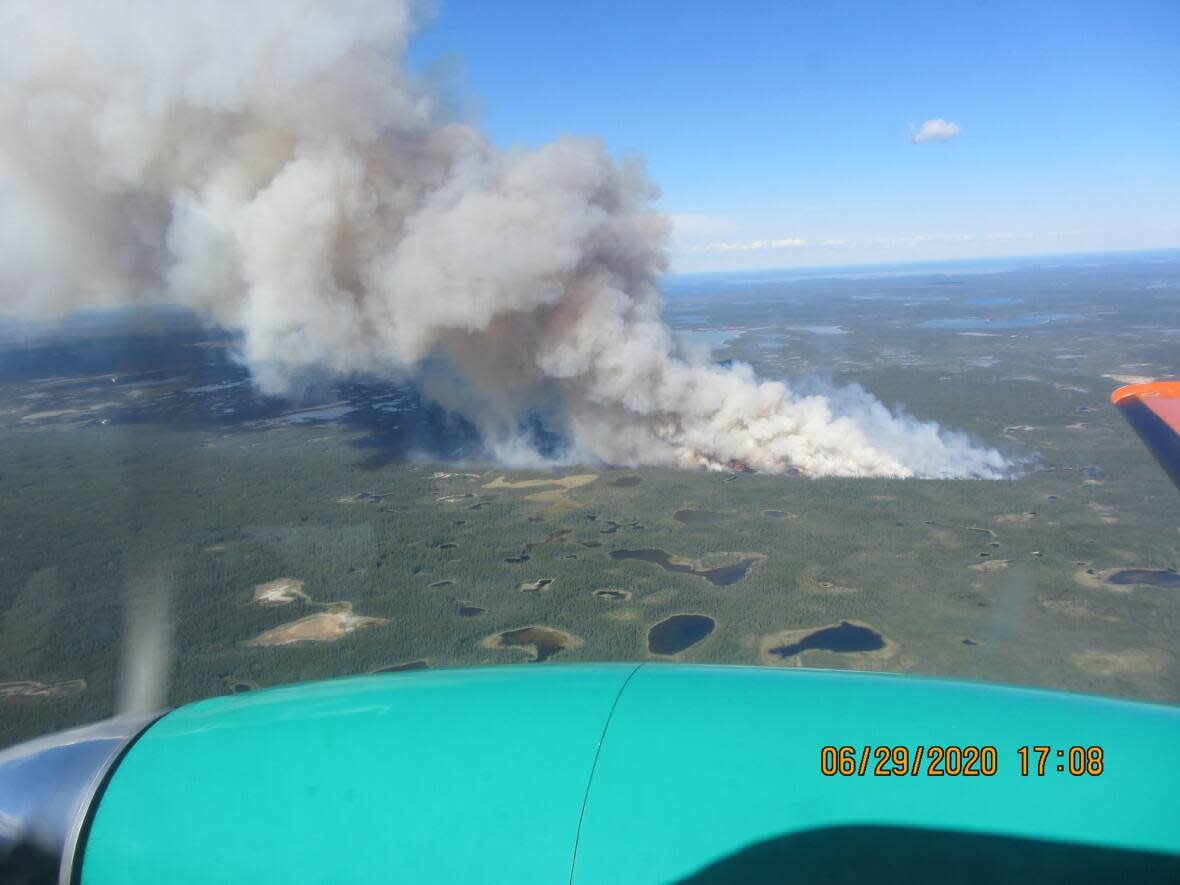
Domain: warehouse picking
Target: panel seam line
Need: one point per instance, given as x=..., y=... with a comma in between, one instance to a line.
x=594, y=766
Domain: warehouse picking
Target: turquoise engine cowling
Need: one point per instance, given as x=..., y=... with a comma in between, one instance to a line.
x=632, y=773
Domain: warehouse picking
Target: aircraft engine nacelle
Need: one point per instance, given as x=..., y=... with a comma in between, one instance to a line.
x=618, y=773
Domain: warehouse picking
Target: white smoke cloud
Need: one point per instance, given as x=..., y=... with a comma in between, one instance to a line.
x=272, y=166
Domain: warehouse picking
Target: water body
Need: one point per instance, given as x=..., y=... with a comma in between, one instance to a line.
x=714, y=339
x=374, y=496
x=971, y=324
x=722, y=576
x=845, y=638
x=470, y=611
x=312, y=416
x=626, y=482
x=216, y=388
x=818, y=330
x=1153, y=577
x=612, y=526
x=776, y=514
x=676, y=633
x=698, y=517
x=992, y=301
x=396, y=668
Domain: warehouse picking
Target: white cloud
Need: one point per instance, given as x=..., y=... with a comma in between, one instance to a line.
x=752, y=245
x=936, y=130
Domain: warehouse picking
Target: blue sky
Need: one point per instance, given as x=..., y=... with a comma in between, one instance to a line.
x=781, y=133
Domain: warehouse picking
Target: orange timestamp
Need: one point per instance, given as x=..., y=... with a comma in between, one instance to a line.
x=955, y=761
x=901, y=761
x=1078, y=761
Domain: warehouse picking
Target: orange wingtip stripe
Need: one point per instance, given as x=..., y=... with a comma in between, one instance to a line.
x=1167, y=389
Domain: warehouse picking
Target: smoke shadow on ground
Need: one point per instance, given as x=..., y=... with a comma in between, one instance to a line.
x=419, y=428
x=168, y=369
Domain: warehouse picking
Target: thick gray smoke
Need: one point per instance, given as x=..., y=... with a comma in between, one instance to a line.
x=271, y=165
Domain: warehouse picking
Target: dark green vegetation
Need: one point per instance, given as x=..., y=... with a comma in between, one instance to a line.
x=697, y=517
x=355, y=491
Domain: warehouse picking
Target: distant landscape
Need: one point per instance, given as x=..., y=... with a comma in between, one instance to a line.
x=361, y=528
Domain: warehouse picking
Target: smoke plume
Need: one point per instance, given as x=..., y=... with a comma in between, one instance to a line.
x=273, y=166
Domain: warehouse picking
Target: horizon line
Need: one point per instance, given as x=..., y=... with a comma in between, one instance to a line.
x=918, y=262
